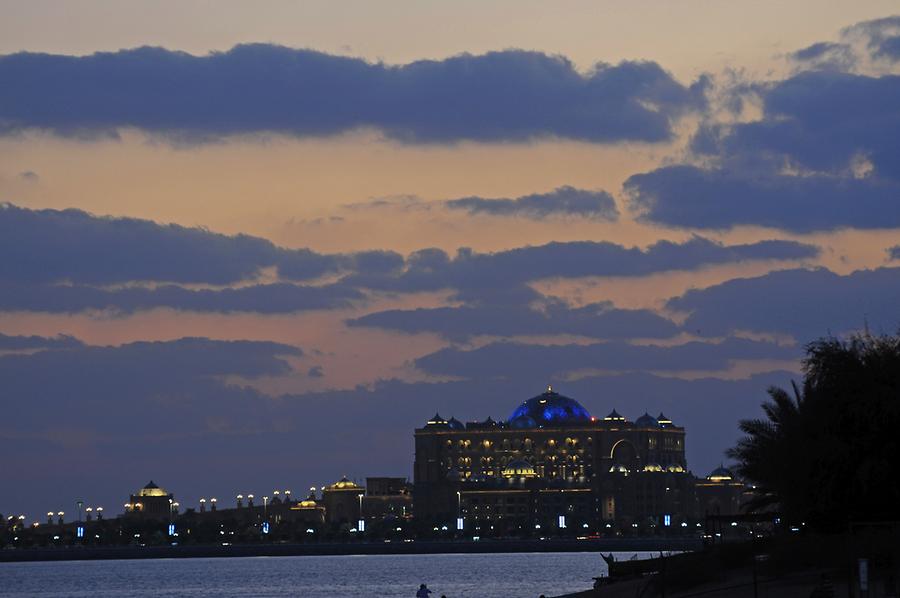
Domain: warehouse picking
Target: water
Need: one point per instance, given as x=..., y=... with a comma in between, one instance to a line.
x=457, y=575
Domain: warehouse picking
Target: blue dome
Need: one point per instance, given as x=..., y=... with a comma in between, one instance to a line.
x=523, y=422
x=551, y=408
x=646, y=421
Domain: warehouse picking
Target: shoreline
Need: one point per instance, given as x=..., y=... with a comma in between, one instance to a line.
x=86, y=553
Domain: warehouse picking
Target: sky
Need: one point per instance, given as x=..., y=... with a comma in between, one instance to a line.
x=250, y=247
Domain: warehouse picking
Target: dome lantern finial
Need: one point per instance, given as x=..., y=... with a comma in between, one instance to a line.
x=549, y=388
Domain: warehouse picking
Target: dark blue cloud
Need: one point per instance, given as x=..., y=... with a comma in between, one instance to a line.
x=806, y=304
x=826, y=55
x=78, y=247
x=692, y=197
x=20, y=343
x=551, y=318
x=882, y=36
x=511, y=95
x=823, y=155
x=147, y=382
x=70, y=261
x=511, y=360
x=889, y=48
x=262, y=298
x=433, y=269
x=563, y=201
x=822, y=120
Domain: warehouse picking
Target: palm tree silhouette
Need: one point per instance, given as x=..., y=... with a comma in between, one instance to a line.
x=826, y=453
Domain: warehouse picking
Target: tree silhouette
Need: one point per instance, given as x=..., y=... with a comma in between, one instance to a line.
x=827, y=452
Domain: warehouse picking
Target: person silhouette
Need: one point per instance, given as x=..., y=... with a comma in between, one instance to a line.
x=423, y=591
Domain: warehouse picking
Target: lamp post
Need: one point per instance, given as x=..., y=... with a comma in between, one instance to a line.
x=265, y=508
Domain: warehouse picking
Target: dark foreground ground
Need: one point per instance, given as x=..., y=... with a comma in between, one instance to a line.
x=859, y=563
x=418, y=547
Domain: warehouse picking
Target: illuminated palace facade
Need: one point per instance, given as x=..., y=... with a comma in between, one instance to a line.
x=552, y=466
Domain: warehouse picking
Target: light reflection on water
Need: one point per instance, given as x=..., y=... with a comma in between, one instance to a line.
x=524, y=575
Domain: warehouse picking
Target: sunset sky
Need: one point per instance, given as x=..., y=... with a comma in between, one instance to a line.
x=251, y=246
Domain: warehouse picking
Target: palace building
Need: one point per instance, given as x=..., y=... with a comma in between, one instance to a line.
x=551, y=465
x=151, y=501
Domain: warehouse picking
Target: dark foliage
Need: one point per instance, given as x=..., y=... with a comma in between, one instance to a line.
x=826, y=453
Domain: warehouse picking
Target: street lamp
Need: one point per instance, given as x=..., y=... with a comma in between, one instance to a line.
x=265, y=508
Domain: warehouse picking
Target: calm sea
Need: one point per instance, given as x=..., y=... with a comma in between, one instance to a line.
x=454, y=575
